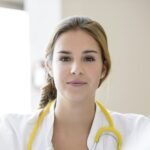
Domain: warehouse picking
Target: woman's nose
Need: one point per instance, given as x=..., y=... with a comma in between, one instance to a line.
x=77, y=68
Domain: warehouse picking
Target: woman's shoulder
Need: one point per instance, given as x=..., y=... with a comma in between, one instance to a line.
x=16, y=126
x=17, y=122
x=130, y=119
x=134, y=128
x=18, y=119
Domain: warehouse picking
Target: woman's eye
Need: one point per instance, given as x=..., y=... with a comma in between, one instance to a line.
x=89, y=58
x=65, y=59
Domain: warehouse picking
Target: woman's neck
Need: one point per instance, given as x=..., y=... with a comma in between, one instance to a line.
x=74, y=115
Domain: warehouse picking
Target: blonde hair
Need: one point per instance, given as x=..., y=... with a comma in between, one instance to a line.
x=88, y=25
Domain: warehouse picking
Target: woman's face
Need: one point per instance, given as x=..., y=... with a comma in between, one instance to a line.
x=76, y=66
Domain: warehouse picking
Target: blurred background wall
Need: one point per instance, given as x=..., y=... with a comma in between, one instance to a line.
x=15, y=76
x=126, y=23
x=127, y=26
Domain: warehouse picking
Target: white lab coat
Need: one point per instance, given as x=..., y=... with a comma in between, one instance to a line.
x=15, y=131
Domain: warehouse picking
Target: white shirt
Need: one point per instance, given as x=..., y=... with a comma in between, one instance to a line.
x=15, y=131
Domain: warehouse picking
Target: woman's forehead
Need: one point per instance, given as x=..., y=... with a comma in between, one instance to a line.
x=76, y=40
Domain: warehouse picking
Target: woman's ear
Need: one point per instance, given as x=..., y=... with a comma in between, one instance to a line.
x=104, y=71
x=48, y=68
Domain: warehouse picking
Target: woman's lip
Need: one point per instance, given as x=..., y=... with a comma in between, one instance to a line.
x=76, y=82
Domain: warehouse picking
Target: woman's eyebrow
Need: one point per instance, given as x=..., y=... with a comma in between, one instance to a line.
x=84, y=52
x=64, y=52
x=90, y=51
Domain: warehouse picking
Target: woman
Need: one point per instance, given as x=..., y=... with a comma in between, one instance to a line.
x=77, y=62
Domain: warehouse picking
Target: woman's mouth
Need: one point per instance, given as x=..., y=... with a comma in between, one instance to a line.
x=76, y=83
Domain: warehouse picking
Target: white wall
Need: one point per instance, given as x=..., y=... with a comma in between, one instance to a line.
x=14, y=62
x=44, y=15
x=127, y=25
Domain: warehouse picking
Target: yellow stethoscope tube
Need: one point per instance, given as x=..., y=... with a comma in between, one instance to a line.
x=109, y=128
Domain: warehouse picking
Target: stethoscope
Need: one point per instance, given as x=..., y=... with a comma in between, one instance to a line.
x=110, y=128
